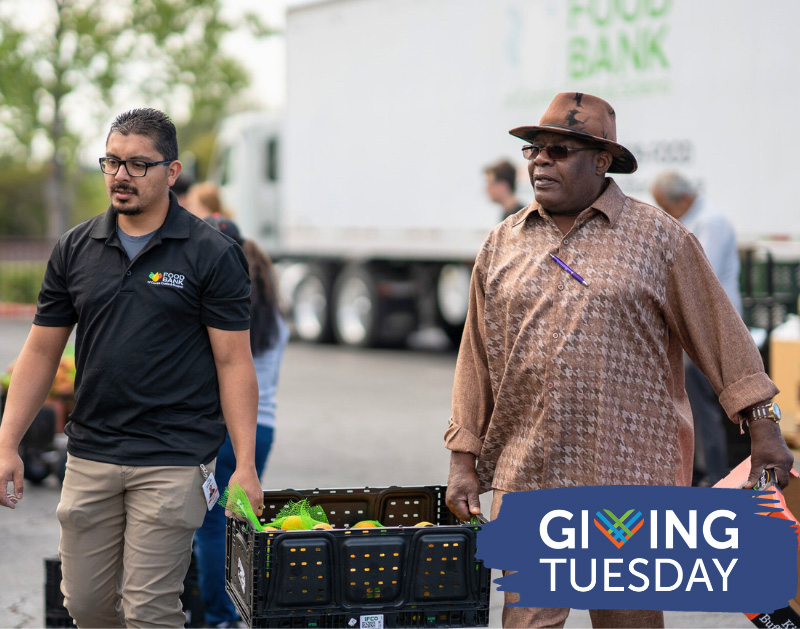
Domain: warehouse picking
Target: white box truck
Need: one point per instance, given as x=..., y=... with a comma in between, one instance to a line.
x=369, y=187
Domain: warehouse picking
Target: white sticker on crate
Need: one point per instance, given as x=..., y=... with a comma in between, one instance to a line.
x=374, y=621
x=240, y=571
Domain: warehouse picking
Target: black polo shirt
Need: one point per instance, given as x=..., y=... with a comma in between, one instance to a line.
x=146, y=390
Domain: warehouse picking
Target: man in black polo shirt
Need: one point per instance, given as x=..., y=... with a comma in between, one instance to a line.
x=161, y=303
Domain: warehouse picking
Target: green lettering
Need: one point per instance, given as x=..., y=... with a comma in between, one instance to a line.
x=574, y=10
x=578, y=58
x=595, y=11
x=655, y=47
x=625, y=13
x=658, y=8
x=603, y=59
x=629, y=52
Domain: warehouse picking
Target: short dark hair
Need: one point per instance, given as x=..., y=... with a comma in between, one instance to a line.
x=151, y=123
x=183, y=183
x=503, y=171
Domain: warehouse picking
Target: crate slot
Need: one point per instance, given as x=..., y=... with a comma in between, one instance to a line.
x=371, y=555
x=440, y=574
x=301, y=557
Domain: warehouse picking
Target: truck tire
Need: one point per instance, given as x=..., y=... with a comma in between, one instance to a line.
x=356, y=308
x=373, y=305
x=452, y=300
x=311, y=312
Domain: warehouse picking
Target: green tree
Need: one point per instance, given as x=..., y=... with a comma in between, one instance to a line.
x=65, y=73
x=22, y=211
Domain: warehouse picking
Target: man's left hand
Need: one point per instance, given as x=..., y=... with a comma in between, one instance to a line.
x=248, y=480
x=768, y=450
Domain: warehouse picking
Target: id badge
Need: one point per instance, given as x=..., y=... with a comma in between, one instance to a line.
x=210, y=488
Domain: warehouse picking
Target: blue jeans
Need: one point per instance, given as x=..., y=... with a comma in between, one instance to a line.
x=209, y=541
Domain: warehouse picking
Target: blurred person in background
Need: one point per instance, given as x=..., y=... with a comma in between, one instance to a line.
x=570, y=370
x=679, y=198
x=161, y=301
x=181, y=187
x=203, y=200
x=501, y=186
x=268, y=337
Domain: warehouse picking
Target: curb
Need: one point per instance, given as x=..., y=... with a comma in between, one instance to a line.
x=17, y=311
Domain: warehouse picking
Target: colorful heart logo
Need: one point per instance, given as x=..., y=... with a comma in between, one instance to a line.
x=618, y=530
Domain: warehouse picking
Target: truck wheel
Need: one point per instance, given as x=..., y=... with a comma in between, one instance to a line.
x=357, y=308
x=452, y=300
x=374, y=306
x=311, y=307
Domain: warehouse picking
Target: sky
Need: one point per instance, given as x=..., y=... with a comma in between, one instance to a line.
x=263, y=58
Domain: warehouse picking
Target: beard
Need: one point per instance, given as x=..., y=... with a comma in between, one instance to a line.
x=125, y=210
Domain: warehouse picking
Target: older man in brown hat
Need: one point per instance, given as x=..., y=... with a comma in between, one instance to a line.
x=570, y=371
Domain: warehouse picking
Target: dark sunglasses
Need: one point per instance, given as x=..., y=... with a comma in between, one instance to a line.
x=557, y=152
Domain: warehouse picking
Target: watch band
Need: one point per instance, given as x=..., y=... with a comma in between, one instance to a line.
x=763, y=411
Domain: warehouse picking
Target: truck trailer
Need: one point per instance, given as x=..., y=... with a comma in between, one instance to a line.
x=368, y=187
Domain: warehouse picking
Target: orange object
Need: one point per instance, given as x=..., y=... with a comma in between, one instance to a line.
x=789, y=501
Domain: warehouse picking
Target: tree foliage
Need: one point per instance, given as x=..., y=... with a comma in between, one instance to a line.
x=67, y=71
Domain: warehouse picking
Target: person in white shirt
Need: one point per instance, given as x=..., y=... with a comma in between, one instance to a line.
x=679, y=197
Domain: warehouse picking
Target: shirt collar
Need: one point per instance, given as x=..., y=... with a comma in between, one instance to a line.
x=175, y=225
x=610, y=204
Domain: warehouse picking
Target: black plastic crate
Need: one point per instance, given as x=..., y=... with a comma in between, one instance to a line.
x=55, y=614
x=396, y=576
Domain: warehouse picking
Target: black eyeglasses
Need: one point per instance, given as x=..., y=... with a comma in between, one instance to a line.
x=557, y=152
x=134, y=167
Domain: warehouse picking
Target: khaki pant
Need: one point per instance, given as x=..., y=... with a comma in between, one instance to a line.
x=126, y=539
x=556, y=617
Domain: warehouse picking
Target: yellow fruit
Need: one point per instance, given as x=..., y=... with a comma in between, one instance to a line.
x=322, y=525
x=364, y=524
x=270, y=528
x=293, y=523
x=424, y=524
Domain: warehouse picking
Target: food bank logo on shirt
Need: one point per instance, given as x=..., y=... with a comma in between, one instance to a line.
x=673, y=548
x=166, y=279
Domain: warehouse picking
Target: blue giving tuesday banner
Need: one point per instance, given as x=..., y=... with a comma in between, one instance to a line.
x=641, y=547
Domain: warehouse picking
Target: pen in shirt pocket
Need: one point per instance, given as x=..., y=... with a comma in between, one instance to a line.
x=565, y=266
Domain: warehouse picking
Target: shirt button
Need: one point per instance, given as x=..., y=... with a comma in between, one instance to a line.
x=565, y=241
x=550, y=385
x=560, y=287
x=128, y=273
x=555, y=335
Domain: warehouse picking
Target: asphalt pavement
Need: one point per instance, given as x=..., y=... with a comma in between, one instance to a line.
x=345, y=419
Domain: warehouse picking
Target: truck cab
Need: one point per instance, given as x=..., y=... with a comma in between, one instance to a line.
x=247, y=169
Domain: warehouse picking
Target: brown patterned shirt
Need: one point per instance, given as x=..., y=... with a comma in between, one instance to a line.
x=562, y=384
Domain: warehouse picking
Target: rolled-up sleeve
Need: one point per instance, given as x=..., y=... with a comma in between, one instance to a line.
x=473, y=398
x=712, y=332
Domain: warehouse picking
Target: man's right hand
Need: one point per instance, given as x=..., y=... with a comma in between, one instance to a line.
x=11, y=470
x=463, y=486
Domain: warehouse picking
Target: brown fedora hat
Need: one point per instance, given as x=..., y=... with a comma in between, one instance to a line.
x=585, y=117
